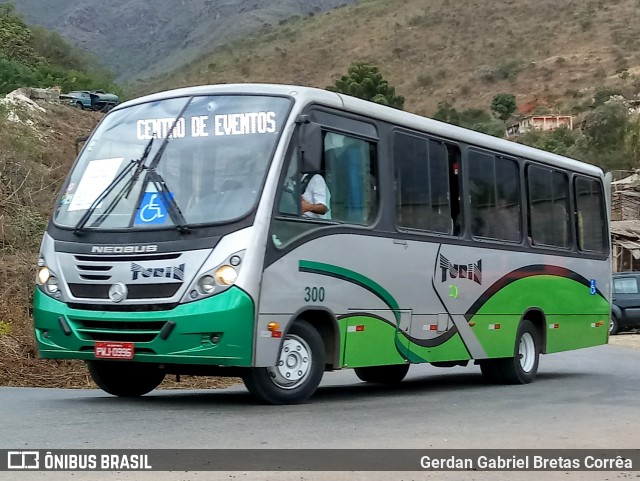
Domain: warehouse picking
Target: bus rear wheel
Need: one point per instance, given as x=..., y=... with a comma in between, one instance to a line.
x=383, y=374
x=297, y=373
x=125, y=379
x=613, y=325
x=523, y=366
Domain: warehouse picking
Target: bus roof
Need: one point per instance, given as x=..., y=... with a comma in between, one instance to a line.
x=306, y=95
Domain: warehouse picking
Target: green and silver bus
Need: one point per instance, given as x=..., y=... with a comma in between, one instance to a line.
x=177, y=246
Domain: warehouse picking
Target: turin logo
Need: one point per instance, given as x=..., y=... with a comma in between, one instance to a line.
x=461, y=271
x=170, y=272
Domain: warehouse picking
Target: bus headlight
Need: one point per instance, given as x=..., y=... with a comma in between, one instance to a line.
x=47, y=281
x=43, y=275
x=52, y=285
x=206, y=284
x=226, y=275
x=214, y=279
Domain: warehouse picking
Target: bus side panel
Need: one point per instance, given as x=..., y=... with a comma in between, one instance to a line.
x=370, y=341
x=574, y=316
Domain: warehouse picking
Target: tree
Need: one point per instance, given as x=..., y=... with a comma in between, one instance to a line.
x=605, y=126
x=447, y=113
x=632, y=141
x=559, y=141
x=503, y=105
x=366, y=82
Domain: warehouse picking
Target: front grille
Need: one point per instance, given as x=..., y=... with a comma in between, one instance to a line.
x=125, y=331
x=135, y=291
x=123, y=307
x=94, y=277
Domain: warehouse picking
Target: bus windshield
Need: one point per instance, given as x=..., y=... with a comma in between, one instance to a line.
x=137, y=172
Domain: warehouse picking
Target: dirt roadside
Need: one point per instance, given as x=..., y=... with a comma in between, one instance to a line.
x=626, y=339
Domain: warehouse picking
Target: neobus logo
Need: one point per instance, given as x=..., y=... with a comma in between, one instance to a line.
x=461, y=271
x=123, y=249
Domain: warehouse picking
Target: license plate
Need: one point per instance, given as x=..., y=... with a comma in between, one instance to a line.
x=113, y=350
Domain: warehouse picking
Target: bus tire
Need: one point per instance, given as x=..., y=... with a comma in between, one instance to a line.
x=393, y=374
x=125, y=379
x=298, y=372
x=613, y=325
x=523, y=366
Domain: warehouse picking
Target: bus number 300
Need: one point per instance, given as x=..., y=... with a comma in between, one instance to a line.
x=314, y=294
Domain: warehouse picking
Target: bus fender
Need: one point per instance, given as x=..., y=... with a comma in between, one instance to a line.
x=326, y=323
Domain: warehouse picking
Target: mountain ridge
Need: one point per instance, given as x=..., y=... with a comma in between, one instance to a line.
x=139, y=38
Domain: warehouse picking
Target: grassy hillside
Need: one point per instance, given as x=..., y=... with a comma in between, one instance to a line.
x=437, y=50
x=36, y=151
x=36, y=57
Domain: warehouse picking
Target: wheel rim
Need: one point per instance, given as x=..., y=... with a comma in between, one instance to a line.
x=611, y=324
x=294, y=365
x=527, y=352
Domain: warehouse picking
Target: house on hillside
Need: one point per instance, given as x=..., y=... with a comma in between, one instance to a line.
x=540, y=122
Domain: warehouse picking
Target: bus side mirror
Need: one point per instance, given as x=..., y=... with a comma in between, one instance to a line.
x=311, y=148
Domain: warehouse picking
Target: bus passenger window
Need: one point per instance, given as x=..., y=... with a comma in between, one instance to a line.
x=423, y=175
x=548, y=197
x=590, y=215
x=495, y=196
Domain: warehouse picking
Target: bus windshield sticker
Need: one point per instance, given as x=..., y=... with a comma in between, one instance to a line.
x=146, y=129
x=203, y=125
x=97, y=176
x=152, y=210
x=245, y=123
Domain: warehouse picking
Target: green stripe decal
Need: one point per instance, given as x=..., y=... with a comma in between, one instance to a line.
x=353, y=277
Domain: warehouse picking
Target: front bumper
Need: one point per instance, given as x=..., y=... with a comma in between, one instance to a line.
x=228, y=318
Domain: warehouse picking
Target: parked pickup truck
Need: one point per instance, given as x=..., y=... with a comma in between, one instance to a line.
x=625, y=302
x=92, y=100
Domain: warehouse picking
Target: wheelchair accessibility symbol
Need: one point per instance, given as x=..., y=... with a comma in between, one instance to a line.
x=152, y=210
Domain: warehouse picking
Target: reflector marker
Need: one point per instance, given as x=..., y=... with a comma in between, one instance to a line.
x=359, y=328
x=554, y=326
x=494, y=326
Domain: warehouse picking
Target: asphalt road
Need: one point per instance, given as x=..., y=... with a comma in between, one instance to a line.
x=581, y=399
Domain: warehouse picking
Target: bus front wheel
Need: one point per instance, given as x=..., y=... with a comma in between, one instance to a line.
x=297, y=373
x=125, y=379
x=383, y=374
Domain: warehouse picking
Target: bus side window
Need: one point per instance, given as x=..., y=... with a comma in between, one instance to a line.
x=548, y=197
x=426, y=184
x=350, y=174
x=590, y=212
x=494, y=196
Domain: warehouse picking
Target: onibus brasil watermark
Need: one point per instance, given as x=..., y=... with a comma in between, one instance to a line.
x=321, y=460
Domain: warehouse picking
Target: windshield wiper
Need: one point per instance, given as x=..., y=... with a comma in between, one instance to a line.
x=139, y=163
x=167, y=199
x=126, y=189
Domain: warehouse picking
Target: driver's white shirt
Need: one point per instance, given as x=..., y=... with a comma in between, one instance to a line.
x=317, y=192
